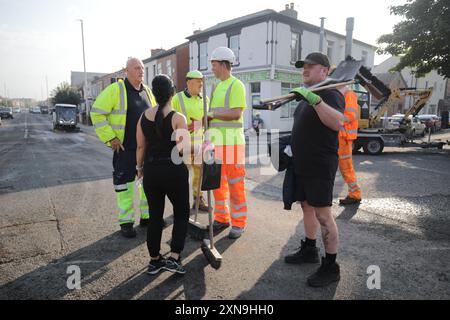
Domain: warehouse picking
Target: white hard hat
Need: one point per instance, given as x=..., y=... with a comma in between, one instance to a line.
x=223, y=54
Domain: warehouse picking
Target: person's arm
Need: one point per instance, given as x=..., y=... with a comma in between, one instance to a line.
x=329, y=116
x=226, y=115
x=140, y=151
x=183, y=138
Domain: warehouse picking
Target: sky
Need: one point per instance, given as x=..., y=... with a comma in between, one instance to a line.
x=41, y=39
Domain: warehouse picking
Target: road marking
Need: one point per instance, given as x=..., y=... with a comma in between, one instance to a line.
x=26, y=126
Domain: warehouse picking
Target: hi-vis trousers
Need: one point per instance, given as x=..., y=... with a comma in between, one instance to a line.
x=346, y=167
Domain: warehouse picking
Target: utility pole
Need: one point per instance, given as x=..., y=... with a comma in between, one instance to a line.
x=86, y=102
x=46, y=82
x=322, y=34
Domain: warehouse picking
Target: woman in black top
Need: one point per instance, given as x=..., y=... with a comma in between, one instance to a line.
x=162, y=176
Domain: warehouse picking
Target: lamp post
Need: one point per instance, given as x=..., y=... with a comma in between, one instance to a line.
x=85, y=76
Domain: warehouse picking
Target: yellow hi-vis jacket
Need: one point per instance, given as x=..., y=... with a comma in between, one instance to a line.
x=109, y=112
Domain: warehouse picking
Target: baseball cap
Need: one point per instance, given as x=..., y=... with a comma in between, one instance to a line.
x=314, y=58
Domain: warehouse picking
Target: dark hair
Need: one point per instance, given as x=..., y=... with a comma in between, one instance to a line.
x=163, y=90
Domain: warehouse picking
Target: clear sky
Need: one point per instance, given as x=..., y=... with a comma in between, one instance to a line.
x=43, y=38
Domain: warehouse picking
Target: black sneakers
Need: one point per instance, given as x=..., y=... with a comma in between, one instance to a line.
x=156, y=265
x=349, y=201
x=327, y=273
x=127, y=230
x=174, y=266
x=306, y=254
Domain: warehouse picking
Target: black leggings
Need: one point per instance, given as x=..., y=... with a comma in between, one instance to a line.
x=171, y=180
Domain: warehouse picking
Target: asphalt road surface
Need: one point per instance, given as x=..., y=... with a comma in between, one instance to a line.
x=57, y=210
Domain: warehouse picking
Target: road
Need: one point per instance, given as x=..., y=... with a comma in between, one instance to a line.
x=58, y=210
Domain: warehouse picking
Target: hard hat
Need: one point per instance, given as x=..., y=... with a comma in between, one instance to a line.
x=194, y=74
x=223, y=54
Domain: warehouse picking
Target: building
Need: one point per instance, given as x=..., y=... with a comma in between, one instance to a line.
x=393, y=80
x=173, y=62
x=98, y=85
x=432, y=79
x=267, y=44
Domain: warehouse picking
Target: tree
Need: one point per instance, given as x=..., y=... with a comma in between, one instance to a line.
x=64, y=93
x=422, y=40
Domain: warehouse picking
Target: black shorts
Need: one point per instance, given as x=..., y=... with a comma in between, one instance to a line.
x=317, y=192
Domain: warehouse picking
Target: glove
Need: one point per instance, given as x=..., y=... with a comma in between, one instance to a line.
x=305, y=94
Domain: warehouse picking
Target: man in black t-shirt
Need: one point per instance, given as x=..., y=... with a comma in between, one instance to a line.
x=317, y=121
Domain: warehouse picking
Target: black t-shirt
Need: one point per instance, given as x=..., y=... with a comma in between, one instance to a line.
x=314, y=145
x=138, y=102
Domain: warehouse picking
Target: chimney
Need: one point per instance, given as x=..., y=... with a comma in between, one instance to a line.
x=197, y=31
x=290, y=11
x=322, y=34
x=349, y=36
x=154, y=52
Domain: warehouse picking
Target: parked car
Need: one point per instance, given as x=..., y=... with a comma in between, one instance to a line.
x=44, y=109
x=417, y=128
x=35, y=110
x=17, y=110
x=6, y=113
x=431, y=121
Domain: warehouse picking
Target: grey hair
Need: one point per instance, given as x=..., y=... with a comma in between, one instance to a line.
x=132, y=59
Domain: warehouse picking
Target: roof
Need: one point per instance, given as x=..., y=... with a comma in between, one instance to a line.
x=165, y=53
x=262, y=16
x=388, y=77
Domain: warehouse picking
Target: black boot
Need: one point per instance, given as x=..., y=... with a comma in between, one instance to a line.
x=306, y=254
x=127, y=230
x=327, y=273
x=349, y=201
x=144, y=222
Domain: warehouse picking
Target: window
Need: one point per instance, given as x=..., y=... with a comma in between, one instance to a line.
x=330, y=50
x=287, y=111
x=203, y=56
x=233, y=44
x=295, y=47
x=364, y=57
x=255, y=90
x=159, y=68
x=169, y=68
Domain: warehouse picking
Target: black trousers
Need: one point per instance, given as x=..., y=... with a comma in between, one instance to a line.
x=172, y=180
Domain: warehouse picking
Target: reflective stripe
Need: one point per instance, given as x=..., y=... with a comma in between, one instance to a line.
x=213, y=88
x=118, y=112
x=149, y=100
x=101, y=124
x=126, y=219
x=220, y=203
x=197, y=138
x=118, y=127
x=346, y=119
x=99, y=111
x=225, y=125
x=351, y=131
x=121, y=187
x=181, y=100
x=345, y=157
x=351, y=110
x=239, y=215
x=236, y=180
x=221, y=211
x=122, y=95
x=240, y=206
x=351, y=185
x=228, y=95
x=220, y=109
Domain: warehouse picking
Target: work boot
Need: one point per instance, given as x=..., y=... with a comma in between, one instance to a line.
x=236, y=232
x=144, y=222
x=349, y=201
x=219, y=226
x=202, y=206
x=327, y=273
x=306, y=254
x=127, y=230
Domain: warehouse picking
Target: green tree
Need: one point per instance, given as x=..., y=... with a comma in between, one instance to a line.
x=422, y=39
x=64, y=93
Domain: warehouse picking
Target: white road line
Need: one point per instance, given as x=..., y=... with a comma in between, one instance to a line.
x=26, y=126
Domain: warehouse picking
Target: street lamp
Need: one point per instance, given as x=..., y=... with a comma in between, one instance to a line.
x=85, y=76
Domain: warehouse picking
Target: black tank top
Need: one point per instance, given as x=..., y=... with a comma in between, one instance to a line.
x=159, y=148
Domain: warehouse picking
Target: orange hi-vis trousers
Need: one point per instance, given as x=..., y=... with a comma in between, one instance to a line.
x=346, y=167
x=232, y=187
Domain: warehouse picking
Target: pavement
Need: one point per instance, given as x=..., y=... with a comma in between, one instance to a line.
x=57, y=210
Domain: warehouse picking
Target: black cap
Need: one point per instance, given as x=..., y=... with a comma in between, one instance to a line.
x=314, y=58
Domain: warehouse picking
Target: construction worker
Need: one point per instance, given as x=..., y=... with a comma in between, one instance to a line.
x=228, y=102
x=314, y=143
x=115, y=115
x=190, y=103
x=347, y=135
